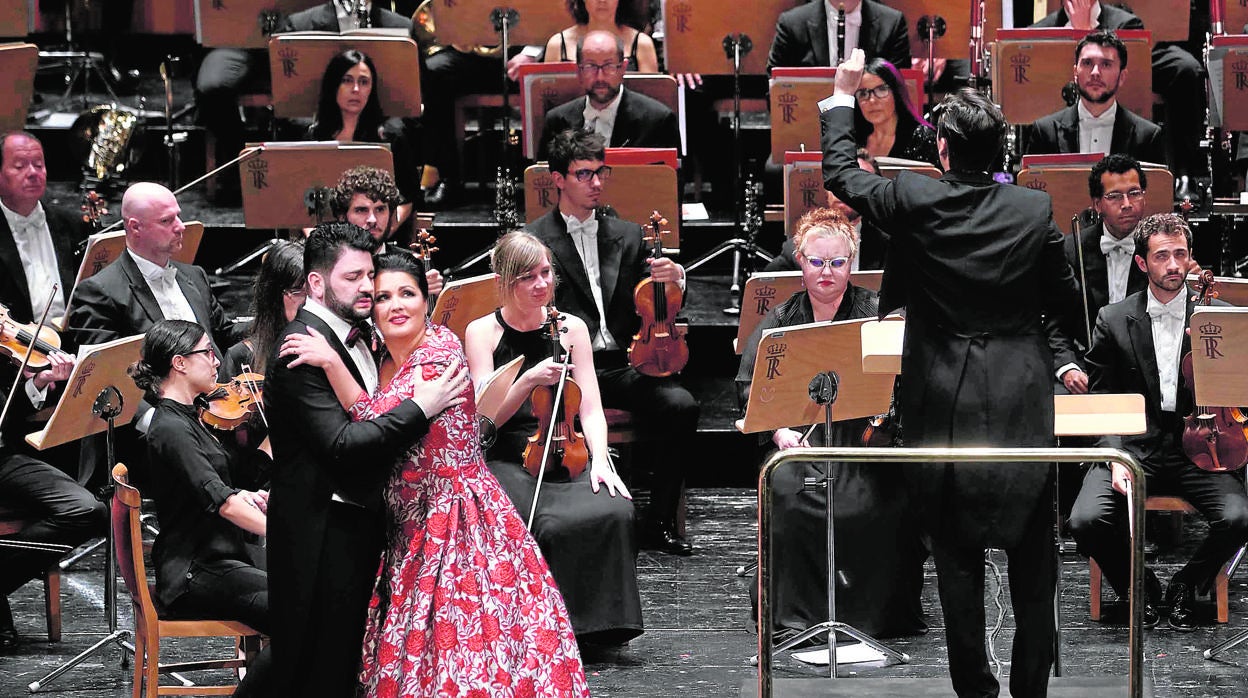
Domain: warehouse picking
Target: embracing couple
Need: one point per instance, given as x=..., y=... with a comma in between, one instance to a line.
x=397, y=565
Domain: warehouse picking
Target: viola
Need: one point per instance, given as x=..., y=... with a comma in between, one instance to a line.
x=16, y=339
x=235, y=402
x=1214, y=438
x=423, y=248
x=659, y=348
x=556, y=440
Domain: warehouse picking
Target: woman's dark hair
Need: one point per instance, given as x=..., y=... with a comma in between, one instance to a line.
x=281, y=271
x=908, y=116
x=625, y=13
x=328, y=119
x=406, y=263
x=163, y=341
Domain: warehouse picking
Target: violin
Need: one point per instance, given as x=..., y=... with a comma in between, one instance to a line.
x=16, y=339
x=1214, y=438
x=235, y=402
x=883, y=430
x=556, y=440
x=422, y=247
x=93, y=207
x=659, y=348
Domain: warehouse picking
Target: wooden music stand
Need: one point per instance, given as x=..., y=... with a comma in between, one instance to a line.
x=634, y=190
x=1031, y=66
x=1219, y=355
x=803, y=186
x=297, y=62
x=17, y=82
x=99, y=367
x=763, y=291
x=286, y=184
x=16, y=18
x=465, y=300
x=1168, y=20
x=1228, y=77
x=957, y=16
x=544, y=86
x=244, y=23
x=471, y=22
x=694, y=42
x=1065, y=179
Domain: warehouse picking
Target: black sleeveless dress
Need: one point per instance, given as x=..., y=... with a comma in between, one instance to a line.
x=589, y=540
x=630, y=61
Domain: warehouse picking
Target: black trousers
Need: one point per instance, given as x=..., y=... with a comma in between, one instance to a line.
x=447, y=75
x=666, y=416
x=1033, y=579
x=1179, y=79
x=224, y=74
x=60, y=509
x=1099, y=518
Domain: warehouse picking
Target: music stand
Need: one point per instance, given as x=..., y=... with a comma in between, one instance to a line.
x=938, y=32
x=799, y=373
x=297, y=63
x=1064, y=177
x=490, y=394
x=476, y=22
x=465, y=300
x=243, y=23
x=18, y=62
x=97, y=397
x=762, y=292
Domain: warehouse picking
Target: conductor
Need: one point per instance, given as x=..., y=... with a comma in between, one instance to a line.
x=977, y=264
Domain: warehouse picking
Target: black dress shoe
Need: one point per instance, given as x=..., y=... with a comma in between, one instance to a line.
x=1187, y=188
x=665, y=539
x=1182, y=601
x=1151, y=616
x=439, y=195
x=8, y=634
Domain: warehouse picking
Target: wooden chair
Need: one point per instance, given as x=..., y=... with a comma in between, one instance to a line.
x=1221, y=582
x=149, y=629
x=11, y=523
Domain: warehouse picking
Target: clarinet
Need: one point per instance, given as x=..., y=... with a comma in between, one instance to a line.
x=361, y=14
x=840, y=32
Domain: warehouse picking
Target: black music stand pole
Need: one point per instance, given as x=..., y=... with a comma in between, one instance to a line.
x=931, y=28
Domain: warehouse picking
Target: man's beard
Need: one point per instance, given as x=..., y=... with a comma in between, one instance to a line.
x=1108, y=95
x=346, y=311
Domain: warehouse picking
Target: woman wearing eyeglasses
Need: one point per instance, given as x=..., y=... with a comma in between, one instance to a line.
x=879, y=555
x=886, y=122
x=615, y=16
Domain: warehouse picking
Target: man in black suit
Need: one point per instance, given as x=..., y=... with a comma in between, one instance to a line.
x=623, y=118
x=326, y=515
x=805, y=35
x=1097, y=123
x=599, y=261
x=1177, y=77
x=976, y=264
x=1136, y=348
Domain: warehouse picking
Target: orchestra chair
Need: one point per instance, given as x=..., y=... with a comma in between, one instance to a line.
x=621, y=432
x=149, y=629
x=11, y=523
x=1221, y=583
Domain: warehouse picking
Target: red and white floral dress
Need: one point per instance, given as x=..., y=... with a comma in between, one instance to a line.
x=464, y=604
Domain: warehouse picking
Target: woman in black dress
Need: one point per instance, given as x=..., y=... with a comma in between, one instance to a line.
x=276, y=295
x=879, y=554
x=584, y=525
x=886, y=122
x=615, y=16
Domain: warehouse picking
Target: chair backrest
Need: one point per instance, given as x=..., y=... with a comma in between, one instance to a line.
x=128, y=541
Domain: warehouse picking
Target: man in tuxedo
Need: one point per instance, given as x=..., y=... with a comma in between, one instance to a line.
x=621, y=117
x=1136, y=348
x=326, y=515
x=1097, y=123
x=976, y=263
x=806, y=35
x=599, y=261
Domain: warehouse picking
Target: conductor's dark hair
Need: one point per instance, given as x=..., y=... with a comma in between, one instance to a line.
x=1114, y=163
x=1105, y=39
x=372, y=182
x=619, y=46
x=571, y=145
x=4, y=140
x=163, y=341
x=1160, y=224
x=625, y=13
x=328, y=241
x=404, y=262
x=973, y=128
x=328, y=119
x=280, y=272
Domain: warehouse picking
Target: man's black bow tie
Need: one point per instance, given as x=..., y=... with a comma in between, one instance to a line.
x=360, y=330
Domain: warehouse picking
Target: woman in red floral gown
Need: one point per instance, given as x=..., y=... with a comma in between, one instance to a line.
x=464, y=604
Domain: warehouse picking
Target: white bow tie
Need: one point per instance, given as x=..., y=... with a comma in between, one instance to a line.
x=168, y=275
x=1109, y=244
x=1157, y=311
x=588, y=228
x=34, y=223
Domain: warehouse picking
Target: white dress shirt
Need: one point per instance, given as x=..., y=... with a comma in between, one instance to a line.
x=38, y=255
x=359, y=353
x=585, y=239
x=1096, y=132
x=1119, y=256
x=853, y=25
x=603, y=120
x=348, y=20
x=1168, y=320
x=163, y=281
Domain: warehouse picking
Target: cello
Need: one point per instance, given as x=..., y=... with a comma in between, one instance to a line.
x=1214, y=438
x=659, y=348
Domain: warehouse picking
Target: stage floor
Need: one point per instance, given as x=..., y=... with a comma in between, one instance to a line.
x=698, y=641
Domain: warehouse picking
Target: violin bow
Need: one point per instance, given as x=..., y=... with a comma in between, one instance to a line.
x=30, y=350
x=550, y=433
x=255, y=393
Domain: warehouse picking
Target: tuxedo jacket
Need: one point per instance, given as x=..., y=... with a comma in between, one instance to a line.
x=68, y=232
x=319, y=451
x=325, y=18
x=977, y=264
x=1112, y=18
x=802, y=36
x=641, y=122
x=622, y=263
x=1132, y=135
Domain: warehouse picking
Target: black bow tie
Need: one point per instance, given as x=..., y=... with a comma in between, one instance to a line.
x=360, y=330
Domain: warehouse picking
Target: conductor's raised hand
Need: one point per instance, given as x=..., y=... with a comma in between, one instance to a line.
x=849, y=73
x=442, y=392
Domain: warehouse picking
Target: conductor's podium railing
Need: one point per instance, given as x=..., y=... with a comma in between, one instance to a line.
x=1009, y=457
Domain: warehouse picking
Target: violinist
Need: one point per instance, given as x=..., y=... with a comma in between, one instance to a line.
x=584, y=522
x=879, y=554
x=1136, y=348
x=600, y=260
x=205, y=567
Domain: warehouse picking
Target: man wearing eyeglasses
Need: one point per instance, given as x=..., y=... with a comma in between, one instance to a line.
x=623, y=118
x=599, y=260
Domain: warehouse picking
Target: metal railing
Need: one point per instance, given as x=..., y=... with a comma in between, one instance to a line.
x=1009, y=457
